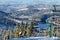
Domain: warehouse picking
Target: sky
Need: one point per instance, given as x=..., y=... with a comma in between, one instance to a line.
x=27, y=1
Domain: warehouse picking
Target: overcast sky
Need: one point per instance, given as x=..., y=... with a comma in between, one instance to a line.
x=27, y=1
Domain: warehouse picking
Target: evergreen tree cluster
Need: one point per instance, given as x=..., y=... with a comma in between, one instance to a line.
x=22, y=30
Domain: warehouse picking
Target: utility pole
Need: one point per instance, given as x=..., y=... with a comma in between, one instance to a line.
x=53, y=20
x=50, y=29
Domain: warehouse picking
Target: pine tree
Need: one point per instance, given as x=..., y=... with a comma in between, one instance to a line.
x=28, y=32
x=22, y=27
x=26, y=25
x=25, y=29
x=3, y=34
x=31, y=28
x=10, y=33
x=17, y=31
x=17, y=34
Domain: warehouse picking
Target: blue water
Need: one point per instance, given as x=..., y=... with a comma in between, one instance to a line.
x=44, y=17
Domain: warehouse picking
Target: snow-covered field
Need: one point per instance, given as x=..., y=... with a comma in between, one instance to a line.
x=37, y=38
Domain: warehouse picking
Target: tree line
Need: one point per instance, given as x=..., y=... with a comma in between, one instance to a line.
x=22, y=30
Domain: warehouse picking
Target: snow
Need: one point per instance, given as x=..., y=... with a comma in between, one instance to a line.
x=22, y=9
x=36, y=38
